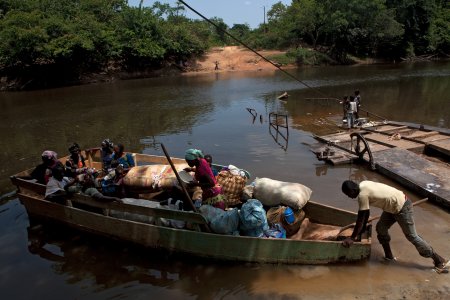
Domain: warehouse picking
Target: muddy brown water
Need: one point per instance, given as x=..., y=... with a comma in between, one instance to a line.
x=208, y=111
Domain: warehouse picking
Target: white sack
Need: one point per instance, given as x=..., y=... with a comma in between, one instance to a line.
x=273, y=192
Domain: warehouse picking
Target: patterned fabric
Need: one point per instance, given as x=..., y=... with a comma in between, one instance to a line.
x=232, y=186
x=216, y=201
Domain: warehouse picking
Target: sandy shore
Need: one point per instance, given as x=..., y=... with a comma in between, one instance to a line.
x=232, y=58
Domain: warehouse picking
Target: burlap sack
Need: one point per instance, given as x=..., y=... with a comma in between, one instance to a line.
x=152, y=178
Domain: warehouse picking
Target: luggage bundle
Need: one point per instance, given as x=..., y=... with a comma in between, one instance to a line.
x=232, y=186
x=152, y=178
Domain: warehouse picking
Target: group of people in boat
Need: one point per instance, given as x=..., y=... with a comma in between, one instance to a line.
x=74, y=176
x=351, y=106
x=106, y=184
x=62, y=179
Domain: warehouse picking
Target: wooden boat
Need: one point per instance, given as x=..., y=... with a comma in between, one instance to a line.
x=85, y=214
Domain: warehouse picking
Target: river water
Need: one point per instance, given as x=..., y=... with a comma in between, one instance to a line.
x=208, y=111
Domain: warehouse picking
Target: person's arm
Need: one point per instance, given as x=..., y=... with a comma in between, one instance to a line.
x=130, y=160
x=361, y=221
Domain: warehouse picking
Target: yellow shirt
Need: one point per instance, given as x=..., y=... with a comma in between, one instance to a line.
x=380, y=195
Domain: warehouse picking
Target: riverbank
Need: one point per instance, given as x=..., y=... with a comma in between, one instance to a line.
x=216, y=60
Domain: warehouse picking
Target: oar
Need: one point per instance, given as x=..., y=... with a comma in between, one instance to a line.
x=206, y=227
x=379, y=216
x=178, y=178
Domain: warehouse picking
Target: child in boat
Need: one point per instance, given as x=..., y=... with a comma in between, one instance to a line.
x=208, y=158
x=57, y=185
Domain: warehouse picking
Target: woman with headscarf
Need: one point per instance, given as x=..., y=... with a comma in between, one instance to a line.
x=43, y=171
x=204, y=178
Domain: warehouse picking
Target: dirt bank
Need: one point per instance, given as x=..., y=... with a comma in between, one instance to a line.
x=232, y=58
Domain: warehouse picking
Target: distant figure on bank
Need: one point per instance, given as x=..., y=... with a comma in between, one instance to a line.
x=217, y=65
x=358, y=103
x=126, y=160
x=396, y=208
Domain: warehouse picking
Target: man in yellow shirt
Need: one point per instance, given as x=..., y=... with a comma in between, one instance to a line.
x=396, y=208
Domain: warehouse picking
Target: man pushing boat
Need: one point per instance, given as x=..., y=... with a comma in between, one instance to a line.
x=396, y=208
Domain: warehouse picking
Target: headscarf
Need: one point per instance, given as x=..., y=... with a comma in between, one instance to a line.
x=193, y=154
x=50, y=155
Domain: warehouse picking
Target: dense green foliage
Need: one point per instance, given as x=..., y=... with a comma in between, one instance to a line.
x=61, y=40
x=375, y=28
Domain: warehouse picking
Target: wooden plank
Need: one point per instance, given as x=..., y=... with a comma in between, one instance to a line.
x=325, y=214
x=23, y=184
x=422, y=134
x=427, y=178
x=390, y=128
x=401, y=143
x=141, y=210
x=442, y=146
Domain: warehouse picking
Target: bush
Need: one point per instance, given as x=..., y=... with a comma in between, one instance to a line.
x=303, y=56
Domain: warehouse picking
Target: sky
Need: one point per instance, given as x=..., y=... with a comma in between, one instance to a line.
x=231, y=11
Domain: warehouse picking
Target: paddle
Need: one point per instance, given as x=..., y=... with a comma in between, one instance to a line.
x=206, y=227
x=379, y=216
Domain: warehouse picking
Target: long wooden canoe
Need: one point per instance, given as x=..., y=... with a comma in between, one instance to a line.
x=94, y=217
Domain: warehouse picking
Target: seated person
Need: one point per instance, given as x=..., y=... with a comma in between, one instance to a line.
x=208, y=158
x=204, y=178
x=124, y=159
x=88, y=188
x=43, y=171
x=56, y=188
x=75, y=164
x=106, y=152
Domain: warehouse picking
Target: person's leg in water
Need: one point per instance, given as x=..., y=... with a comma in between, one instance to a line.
x=406, y=221
x=383, y=225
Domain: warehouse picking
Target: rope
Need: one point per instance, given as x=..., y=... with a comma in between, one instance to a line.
x=266, y=59
x=252, y=50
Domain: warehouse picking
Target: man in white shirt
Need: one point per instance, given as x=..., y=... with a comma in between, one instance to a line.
x=396, y=208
